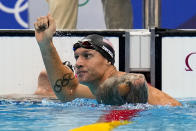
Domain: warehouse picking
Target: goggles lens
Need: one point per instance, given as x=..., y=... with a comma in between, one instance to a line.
x=84, y=44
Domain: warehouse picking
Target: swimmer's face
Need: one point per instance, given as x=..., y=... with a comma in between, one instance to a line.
x=90, y=65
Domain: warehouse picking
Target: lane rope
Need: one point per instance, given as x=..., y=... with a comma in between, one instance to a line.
x=111, y=120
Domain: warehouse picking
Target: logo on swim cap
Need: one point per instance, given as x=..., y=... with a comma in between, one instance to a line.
x=108, y=51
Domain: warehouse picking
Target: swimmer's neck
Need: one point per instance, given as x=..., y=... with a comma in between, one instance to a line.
x=91, y=86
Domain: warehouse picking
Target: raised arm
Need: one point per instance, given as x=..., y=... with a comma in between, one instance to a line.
x=62, y=79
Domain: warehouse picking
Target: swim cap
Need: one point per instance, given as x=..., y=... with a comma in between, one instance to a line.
x=98, y=43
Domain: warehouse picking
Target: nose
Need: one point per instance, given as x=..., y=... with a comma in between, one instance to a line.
x=79, y=63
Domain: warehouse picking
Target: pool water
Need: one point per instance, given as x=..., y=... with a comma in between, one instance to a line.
x=47, y=114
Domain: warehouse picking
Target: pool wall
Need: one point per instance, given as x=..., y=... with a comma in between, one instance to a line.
x=165, y=57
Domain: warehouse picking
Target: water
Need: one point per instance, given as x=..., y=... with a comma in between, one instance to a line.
x=44, y=114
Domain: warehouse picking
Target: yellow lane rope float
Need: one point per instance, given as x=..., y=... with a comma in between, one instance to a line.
x=105, y=126
x=112, y=120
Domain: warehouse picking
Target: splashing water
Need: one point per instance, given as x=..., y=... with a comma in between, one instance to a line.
x=51, y=114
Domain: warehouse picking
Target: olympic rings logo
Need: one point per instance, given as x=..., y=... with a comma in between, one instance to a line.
x=16, y=11
x=83, y=3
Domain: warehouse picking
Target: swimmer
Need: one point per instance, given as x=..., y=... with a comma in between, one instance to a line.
x=97, y=77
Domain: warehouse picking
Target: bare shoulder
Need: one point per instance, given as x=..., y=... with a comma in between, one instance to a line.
x=157, y=97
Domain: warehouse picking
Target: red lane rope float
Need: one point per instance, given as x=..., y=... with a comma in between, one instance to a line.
x=120, y=115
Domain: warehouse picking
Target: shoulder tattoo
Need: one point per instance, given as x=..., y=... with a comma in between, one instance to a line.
x=138, y=88
x=108, y=92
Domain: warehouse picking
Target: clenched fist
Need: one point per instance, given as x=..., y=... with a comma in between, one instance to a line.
x=45, y=27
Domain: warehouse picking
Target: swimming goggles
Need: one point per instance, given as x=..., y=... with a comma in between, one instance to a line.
x=83, y=44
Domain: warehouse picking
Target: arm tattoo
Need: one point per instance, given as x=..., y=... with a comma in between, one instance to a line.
x=60, y=83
